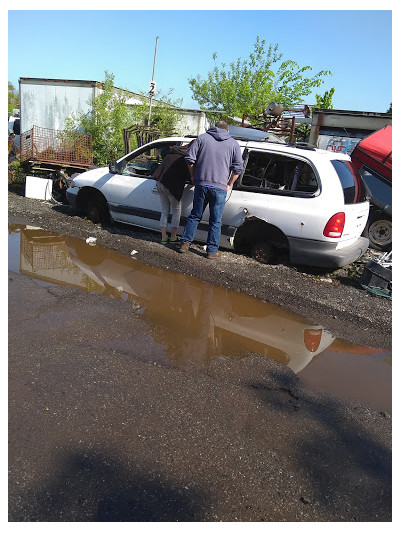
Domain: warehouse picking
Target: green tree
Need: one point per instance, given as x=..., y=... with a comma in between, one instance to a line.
x=390, y=109
x=325, y=101
x=249, y=85
x=111, y=114
x=165, y=112
x=105, y=122
x=13, y=98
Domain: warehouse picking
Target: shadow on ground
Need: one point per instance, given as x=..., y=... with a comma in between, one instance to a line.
x=96, y=488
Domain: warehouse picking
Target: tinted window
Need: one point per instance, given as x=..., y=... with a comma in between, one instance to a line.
x=352, y=184
x=380, y=189
x=266, y=173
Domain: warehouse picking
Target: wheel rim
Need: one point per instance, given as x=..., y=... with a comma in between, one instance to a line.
x=380, y=232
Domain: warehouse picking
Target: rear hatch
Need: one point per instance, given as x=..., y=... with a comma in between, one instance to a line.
x=356, y=205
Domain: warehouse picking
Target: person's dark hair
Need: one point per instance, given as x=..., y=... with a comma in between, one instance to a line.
x=186, y=146
x=222, y=124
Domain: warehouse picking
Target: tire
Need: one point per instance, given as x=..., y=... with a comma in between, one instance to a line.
x=262, y=252
x=379, y=232
x=97, y=210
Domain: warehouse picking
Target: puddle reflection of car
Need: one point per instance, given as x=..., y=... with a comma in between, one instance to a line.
x=208, y=321
x=237, y=323
x=308, y=202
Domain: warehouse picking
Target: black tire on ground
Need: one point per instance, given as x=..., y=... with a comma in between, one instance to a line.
x=379, y=232
x=262, y=252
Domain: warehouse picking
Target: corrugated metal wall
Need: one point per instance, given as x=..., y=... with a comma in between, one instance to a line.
x=47, y=103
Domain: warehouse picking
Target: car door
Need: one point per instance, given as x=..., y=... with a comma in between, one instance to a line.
x=276, y=187
x=133, y=191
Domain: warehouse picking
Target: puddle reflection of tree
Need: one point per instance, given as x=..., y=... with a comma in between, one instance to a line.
x=186, y=328
x=193, y=342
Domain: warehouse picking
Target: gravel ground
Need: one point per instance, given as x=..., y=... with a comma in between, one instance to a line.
x=335, y=299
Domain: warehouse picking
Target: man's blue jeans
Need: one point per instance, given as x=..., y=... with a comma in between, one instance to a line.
x=215, y=199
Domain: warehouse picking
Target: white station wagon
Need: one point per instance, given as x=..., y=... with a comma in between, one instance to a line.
x=308, y=201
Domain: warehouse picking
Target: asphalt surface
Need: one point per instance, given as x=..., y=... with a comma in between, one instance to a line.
x=99, y=431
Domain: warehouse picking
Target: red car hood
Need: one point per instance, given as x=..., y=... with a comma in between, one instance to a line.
x=375, y=152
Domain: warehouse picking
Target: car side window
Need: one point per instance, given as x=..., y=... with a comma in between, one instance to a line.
x=275, y=173
x=144, y=163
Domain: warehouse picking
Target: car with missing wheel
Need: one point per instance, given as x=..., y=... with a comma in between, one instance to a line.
x=309, y=202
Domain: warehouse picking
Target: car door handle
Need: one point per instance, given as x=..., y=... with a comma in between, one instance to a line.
x=154, y=190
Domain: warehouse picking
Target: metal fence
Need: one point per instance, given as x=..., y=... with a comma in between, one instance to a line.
x=57, y=147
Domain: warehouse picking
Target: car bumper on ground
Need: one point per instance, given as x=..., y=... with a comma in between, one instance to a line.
x=325, y=254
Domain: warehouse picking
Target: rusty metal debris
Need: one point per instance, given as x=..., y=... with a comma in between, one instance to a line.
x=56, y=147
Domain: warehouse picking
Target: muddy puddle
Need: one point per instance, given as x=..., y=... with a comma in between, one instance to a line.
x=197, y=322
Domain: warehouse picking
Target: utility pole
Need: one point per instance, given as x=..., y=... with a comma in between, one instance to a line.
x=152, y=88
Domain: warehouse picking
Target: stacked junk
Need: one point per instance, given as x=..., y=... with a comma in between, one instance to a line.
x=377, y=276
x=374, y=153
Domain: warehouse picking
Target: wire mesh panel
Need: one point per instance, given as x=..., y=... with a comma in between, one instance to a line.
x=56, y=146
x=44, y=253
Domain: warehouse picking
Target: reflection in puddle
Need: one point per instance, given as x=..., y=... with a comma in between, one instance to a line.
x=197, y=322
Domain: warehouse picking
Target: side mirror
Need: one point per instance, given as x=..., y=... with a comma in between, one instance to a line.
x=113, y=167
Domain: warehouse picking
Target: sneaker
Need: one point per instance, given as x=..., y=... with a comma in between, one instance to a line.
x=184, y=247
x=164, y=241
x=174, y=239
x=214, y=256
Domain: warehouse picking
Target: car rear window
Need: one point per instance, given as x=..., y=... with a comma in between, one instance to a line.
x=353, y=187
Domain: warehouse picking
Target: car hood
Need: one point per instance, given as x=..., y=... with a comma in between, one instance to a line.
x=91, y=176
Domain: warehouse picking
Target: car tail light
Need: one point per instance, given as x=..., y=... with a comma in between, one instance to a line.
x=334, y=226
x=312, y=339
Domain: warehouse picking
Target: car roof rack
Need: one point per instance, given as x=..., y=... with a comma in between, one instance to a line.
x=303, y=145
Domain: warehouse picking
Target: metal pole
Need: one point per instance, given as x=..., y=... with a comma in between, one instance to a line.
x=152, y=77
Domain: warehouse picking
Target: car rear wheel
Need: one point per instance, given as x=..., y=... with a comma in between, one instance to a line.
x=379, y=232
x=262, y=252
x=97, y=210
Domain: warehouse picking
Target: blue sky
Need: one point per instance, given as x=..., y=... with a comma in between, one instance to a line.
x=355, y=45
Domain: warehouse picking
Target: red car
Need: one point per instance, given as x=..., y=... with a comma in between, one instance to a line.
x=373, y=159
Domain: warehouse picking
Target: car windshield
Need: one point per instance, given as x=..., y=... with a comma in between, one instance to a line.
x=353, y=186
x=144, y=162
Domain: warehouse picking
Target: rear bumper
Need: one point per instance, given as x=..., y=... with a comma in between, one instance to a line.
x=324, y=254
